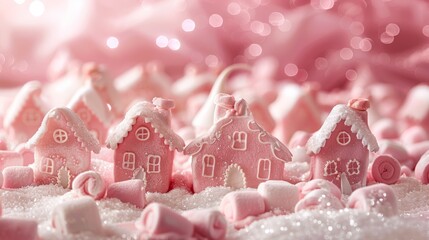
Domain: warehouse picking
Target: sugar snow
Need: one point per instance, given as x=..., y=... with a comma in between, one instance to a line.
x=39, y=201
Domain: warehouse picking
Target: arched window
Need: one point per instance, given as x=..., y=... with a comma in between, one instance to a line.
x=153, y=164
x=31, y=117
x=60, y=136
x=264, y=169
x=209, y=162
x=239, y=140
x=353, y=167
x=330, y=168
x=47, y=166
x=129, y=161
x=343, y=138
x=142, y=133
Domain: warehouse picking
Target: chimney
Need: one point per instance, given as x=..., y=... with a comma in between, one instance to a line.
x=223, y=102
x=164, y=107
x=360, y=105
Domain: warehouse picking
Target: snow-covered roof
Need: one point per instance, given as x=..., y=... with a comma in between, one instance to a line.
x=151, y=115
x=75, y=124
x=352, y=119
x=278, y=149
x=89, y=96
x=29, y=91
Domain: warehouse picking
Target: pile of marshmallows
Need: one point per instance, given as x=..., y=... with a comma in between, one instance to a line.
x=238, y=208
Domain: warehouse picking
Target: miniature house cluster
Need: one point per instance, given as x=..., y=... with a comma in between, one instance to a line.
x=234, y=152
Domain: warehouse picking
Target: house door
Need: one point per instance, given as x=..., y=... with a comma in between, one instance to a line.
x=139, y=173
x=235, y=177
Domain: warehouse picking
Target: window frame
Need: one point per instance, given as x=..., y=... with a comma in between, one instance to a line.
x=142, y=133
x=208, y=165
x=153, y=167
x=240, y=138
x=266, y=168
x=340, y=138
x=60, y=136
x=129, y=159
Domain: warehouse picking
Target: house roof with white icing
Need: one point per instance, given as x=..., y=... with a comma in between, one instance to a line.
x=151, y=115
x=352, y=119
x=278, y=149
x=28, y=92
x=73, y=122
x=89, y=96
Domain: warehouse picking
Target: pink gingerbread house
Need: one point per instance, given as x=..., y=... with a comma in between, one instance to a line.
x=62, y=148
x=144, y=145
x=236, y=152
x=25, y=114
x=93, y=111
x=340, y=148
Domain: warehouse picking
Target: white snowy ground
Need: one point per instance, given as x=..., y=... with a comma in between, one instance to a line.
x=412, y=223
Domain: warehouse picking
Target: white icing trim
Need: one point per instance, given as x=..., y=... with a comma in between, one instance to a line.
x=73, y=122
x=142, y=133
x=239, y=141
x=60, y=136
x=343, y=135
x=206, y=165
x=153, y=167
x=352, y=119
x=328, y=164
x=263, y=161
x=128, y=161
x=150, y=115
x=349, y=169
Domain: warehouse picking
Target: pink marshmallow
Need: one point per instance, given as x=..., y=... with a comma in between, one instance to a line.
x=280, y=195
x=129, y=191
x=105, y=169
x=319, y=199
x=242, y=204
x=378, y=198
x=385, y=169
x=405, y=171
x=414, y=134
x=17, y=177
x=422, y=169
x=18, y=229
x=397, y=151
x=157, y=219
x=208, y=224
x=385, y=129
x=316, y=184
x=77, y=216
x=416, y=151
x=89, y=183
